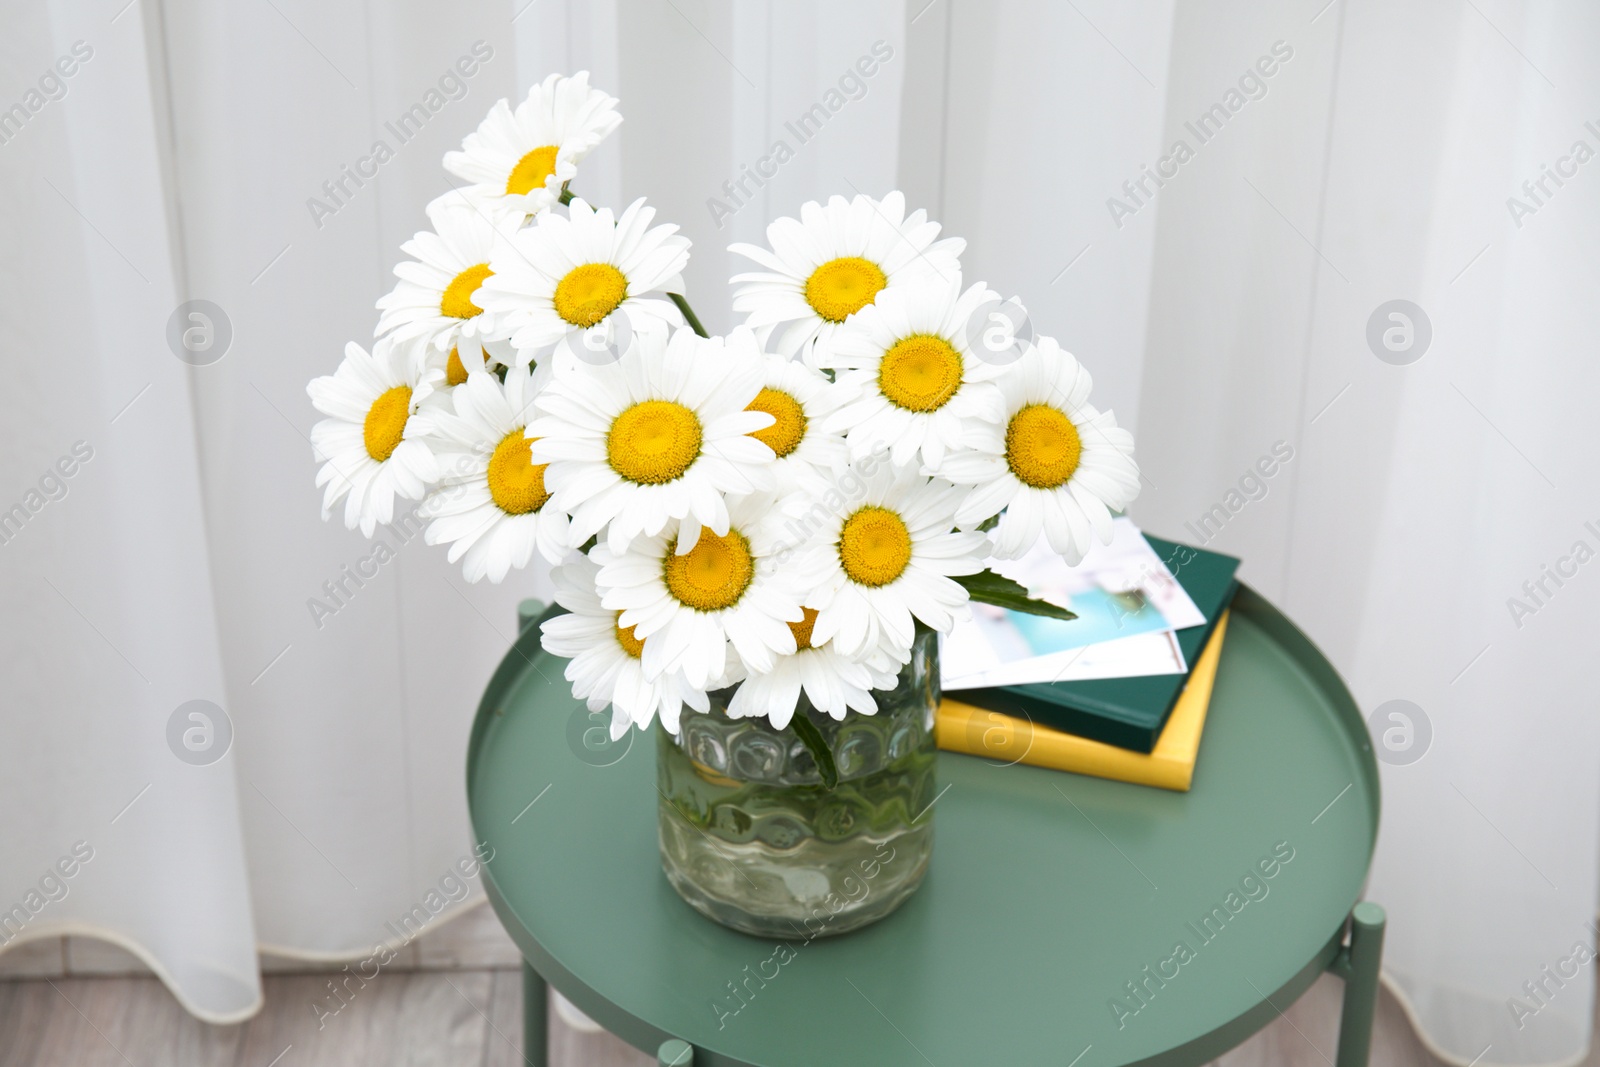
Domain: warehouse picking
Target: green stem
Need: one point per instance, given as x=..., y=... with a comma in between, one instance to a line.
x=688, y=314
x=817, y=745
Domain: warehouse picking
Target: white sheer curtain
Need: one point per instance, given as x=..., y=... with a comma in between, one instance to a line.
x=108, y=612
x=1366, y=155
x=1422, y=496
x=1223, y=312
x=178, y=562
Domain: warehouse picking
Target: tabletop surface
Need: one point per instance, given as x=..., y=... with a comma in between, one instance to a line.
x=1047, y=895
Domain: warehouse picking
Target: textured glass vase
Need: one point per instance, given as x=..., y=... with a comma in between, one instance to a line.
x=752, y=838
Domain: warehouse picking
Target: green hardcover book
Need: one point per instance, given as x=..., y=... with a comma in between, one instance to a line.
x=1127, y=712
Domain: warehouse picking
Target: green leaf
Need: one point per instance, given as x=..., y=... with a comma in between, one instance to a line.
x=811, y=737
x=987, y=587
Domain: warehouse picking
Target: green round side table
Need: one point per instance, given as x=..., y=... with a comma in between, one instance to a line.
x=1065, y=920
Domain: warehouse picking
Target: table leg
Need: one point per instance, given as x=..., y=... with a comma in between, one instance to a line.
x=675, y=1053
x=1359, y=967
x=535, y=1020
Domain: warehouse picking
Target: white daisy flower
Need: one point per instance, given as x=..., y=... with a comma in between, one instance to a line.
x=832, y=262
x=688, y=606
x=834, y=683
x=492, y=506
x=799, y=399
x=605, y=665
x=438, y=292
x=908, y=380
x=562, y=276
x=373, y=445
x=469, y=354
x=659, y=435
x=519, y=160
x=1053, y=463
x=885, y=558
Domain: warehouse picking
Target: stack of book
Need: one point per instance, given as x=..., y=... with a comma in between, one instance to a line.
x=1144, y=728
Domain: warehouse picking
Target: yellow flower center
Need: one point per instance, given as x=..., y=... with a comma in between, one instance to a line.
x=713, y=574
x=920, y=373
x=532, y=170
x=874, y=546
x=516, y=483
x=457, y=299
x=385, y=424
x=632, y=645
x=802, y=630
x=841, y=287
x=455, y=372
x=653, y=442
x=589, y=293
x=789, y=421
x=1042, y=446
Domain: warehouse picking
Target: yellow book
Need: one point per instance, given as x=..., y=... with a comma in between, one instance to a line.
x=980, y=732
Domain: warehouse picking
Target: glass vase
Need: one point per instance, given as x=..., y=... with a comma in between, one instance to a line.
x=751, y=837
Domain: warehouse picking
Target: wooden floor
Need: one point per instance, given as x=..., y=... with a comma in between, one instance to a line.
x=460, y=1007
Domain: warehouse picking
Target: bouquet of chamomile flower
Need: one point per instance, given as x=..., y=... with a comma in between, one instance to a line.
x=779, y=509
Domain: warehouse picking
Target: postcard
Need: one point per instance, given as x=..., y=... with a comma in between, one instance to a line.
x=1128, y=606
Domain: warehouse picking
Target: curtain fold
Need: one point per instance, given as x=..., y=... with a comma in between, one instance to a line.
x=1424, y=528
